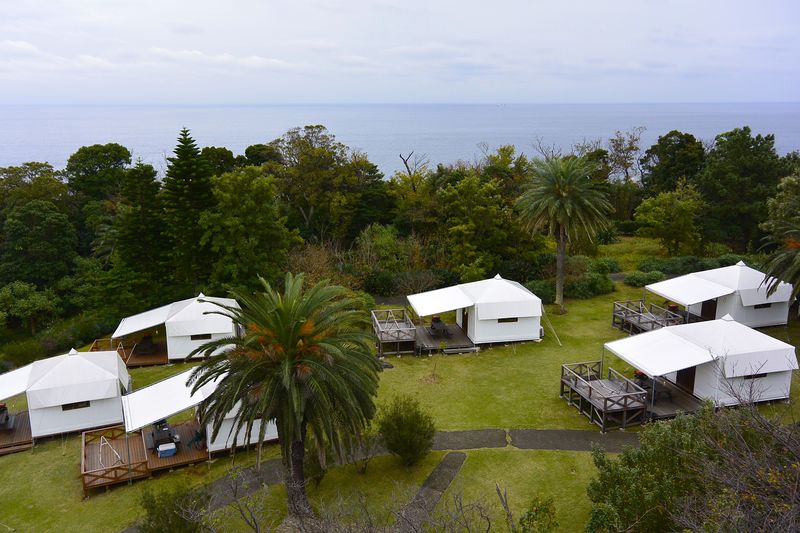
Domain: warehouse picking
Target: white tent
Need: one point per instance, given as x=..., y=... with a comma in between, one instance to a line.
x=70, y=392
x=720, y=360
x=174, y=395
x=490, y=310
x=188, y=323
x=735, y=290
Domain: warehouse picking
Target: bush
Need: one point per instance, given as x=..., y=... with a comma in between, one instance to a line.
x=588, y=286
x=179, y=510
x=416, y=281
x=540, y=516
x=545, y=289
x=20, y=353
x=380, y=283
x=447, y=278
x=609, y=235
x=406, y=429
x=628, y=227
x=604, y=265
x=640, y=279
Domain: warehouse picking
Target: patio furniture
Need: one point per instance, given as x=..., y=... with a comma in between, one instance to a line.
x=438, y=327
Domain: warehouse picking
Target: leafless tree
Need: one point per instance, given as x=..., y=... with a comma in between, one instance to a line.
x=419, y=163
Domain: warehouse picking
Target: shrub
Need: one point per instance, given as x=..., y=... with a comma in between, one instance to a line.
x=22, y=352
x=628, y=227
x=380, y=283
x=609, y=235
x=446, y=277
x=416, y=281
x=544, y=289
x=640, y=279
x=178, y=510
x=540, y=517
x=407, y=429
x=576, y=266
x=716, y=249
x=588, y=286
x=604, y=265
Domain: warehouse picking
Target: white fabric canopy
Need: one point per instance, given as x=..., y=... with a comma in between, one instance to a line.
x=709, y=284
x=161, y=400
x=182, y=318
x=76, y=377
x=493, y=298
x=740, y=349
x=14, y=382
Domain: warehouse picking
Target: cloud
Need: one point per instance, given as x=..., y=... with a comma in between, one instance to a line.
x=222, y=59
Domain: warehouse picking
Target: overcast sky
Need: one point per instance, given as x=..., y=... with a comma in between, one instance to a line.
x=358, y=51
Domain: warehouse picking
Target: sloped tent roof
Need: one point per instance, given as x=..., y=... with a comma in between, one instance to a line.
x=709, y=284
x=69, y=378
x=493, y=298
x=185, y=317
x=161, y=400
x=740, y=349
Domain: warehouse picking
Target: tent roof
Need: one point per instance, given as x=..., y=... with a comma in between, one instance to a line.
x=161, y=400
x=184, y=313
x=709, y=284
x=493, y=298
x=742, y=350
x=14, y=382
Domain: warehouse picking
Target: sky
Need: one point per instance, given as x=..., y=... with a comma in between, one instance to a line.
x=398, y=51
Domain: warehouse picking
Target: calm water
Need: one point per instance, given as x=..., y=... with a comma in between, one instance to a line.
x=446, y=133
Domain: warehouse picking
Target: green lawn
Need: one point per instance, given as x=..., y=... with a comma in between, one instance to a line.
x=630, y=251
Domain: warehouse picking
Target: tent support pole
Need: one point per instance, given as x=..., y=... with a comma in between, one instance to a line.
x=128, y=447
x=602, y=360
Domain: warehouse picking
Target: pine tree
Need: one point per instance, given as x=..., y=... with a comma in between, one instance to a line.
x=187, y=193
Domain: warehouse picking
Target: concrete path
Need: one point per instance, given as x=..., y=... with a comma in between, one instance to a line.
x=413, y=516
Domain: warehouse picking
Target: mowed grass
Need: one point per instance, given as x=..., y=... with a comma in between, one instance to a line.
x=514, y=386
x=523, y=474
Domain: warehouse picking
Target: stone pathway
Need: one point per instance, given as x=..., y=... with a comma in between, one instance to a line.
x=431, y=492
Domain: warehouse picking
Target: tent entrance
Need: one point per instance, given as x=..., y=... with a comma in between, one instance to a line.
x=465, y=321
x=708, y=311
x=685, y=379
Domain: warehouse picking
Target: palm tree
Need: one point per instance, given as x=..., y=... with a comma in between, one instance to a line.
x=784, y=263
x=563, y=199
x=304, y=360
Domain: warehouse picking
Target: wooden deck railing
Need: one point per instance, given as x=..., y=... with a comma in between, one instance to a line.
x=112, y=474
x=392, y=325
x=635, y=316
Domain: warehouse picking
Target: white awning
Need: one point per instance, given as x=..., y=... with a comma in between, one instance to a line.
x=14, y=382
x=439, y=301
x=740, y=349
x=659, y=352
x=161, y=400
x=147, y=320
x=689, y=290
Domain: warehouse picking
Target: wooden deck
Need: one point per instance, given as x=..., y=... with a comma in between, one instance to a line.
x=455, y=341
x=133, y=355
x=634, y=316
x=394, y=330
x=109, y=458
x=670, y=400
x=17, y=437
x=611, y=402
x=134, y=360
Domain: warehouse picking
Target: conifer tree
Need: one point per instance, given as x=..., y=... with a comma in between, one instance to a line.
x=187, y=193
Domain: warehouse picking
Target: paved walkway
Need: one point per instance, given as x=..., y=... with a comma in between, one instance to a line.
x=428, y=497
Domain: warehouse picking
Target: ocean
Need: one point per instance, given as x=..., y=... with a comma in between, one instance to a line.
x=443, y=132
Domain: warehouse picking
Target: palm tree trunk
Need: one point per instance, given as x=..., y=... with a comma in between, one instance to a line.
x=295, y=480
x=561, y=258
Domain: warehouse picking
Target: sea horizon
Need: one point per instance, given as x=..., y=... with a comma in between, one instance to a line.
x=444, y=132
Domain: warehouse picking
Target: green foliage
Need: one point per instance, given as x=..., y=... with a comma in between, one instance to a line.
x=244, y=232
x=627, y=227
x=380, y=283
x=544, y=289
x=23, y=302
x=741, y=173
x=589, y=285
x=673, y=218
x=407, y=430
x=673, y=157
x=177, y=510
x=95, y=172
x=187, y=194
x=220, y=160
x=641, y=488
x=22, y=352
x=379, y=247
x=258, y=154
x=638, y=278
x=783, y=233
x=678, y=266
x=540, y=516
x=38, y=244
x=605, y=265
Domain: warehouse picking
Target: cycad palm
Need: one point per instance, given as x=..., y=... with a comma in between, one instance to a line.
x=564, y=200
x=784, y=263
x=305, y=361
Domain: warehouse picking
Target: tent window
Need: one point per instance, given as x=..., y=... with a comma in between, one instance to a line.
x=762, y=306
x=201, y=337
x=754, y=376
x=73, y=406
x=504, y=320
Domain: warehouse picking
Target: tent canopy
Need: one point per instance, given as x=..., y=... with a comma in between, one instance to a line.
x=740, y=349
x=185, y=317
x=69, y=378
x=709, y=284
x=161, y=400
x=493, y=298
x=14, y=382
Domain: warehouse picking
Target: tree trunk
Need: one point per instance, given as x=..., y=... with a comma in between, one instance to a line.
x=561, y=258
x=295, y=480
